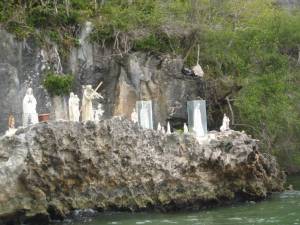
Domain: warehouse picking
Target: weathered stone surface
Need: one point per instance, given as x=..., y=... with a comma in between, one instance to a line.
x=51, y=169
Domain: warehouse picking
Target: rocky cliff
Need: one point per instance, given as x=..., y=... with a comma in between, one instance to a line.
x=126, y=78
x=50, y=169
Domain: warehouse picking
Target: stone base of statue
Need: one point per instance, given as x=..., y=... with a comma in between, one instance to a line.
x=59, y=108
x=30, y=119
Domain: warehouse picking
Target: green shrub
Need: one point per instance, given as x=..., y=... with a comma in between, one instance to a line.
x=58, y=85
x=103, y=32
x=43, y=17
x=120, y=16
x=21, y=30
x=6, y=10
x=158, y=43
x=80, y=4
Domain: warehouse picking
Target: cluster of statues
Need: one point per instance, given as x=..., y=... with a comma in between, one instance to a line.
x=197, y=127
x=87, y=112
x=30, y=115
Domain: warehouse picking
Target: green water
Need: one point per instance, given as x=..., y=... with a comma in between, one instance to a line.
x=281, y=209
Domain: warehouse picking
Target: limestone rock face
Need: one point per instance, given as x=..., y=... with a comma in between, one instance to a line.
x=126, y=78
x=50, y=169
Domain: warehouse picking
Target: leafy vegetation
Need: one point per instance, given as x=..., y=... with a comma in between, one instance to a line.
x=57, y=84
x=253, y=43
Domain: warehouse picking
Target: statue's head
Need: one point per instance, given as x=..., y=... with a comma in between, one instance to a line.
x=29, y=91
x=89, y=87
x=72, y=95
x=100, y=106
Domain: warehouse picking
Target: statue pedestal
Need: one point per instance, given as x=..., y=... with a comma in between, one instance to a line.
x=197, y=118
x=59, y=108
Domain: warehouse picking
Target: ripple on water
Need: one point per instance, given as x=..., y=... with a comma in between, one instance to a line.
x=281, y=209
x=143, y=222
x=169, y=221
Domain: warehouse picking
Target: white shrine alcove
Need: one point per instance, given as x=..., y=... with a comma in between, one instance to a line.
x=144, y=110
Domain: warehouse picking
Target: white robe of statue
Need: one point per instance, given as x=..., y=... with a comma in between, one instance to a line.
x=198, y=128
x=169, y=128
x=74, y=113
x=159, y=128
x=30, y=115
x=87, y=105
x=225, y=124
x=99, y=113
x=71, y=100
x=185, y=129
x=145, y=122
x=134, y=116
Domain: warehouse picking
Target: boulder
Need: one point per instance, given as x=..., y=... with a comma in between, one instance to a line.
x=50, y=169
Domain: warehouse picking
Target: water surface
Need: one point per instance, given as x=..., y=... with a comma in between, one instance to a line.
x=281, y=209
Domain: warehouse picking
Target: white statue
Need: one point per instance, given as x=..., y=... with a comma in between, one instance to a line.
x=71, y=99
x=74, y=113
x=225, y=124
x=163, y=130
x=99, y=112
x=185, y=129
x=159, y=128
x=134, y=116
x=87, y=105
x=169, y=128
x=30, y=115
x=198, y=128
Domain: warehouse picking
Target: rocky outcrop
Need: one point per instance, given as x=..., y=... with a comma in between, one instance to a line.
x=50, y=169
